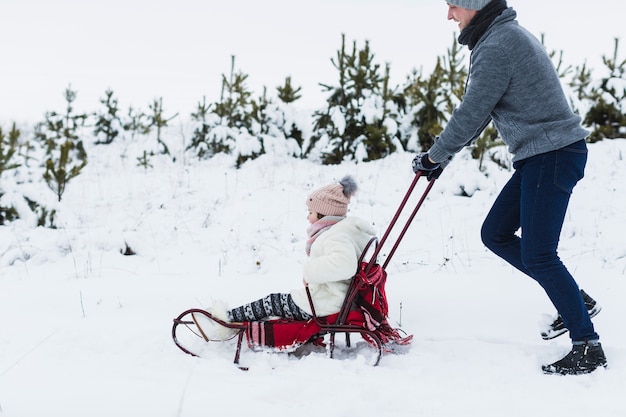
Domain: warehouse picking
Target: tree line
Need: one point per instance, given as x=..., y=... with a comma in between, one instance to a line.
x=365, y=118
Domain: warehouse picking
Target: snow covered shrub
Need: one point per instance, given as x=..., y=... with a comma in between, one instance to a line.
x=158, y=120
x=484, y=144
x=246, y=128
x=279, y=127
x=606, y=113
x=220, y=126
x=201, y=129
x=295, y=125
x=65, y=155
x=108, y=124
x=135, y=122
x=8, y=149
x=20, y=184
x=360, y=121
x=432, y=99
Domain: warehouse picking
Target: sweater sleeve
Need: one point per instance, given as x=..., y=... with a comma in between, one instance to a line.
x=490, y=74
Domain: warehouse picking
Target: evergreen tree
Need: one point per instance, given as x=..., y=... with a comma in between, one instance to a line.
x=220, y=124
x=157, y=119
x=287, y=95
x=557, y=59
x=65, y=153
x=231, y=132
x=267, y=124
x=455, y=75
x=432, y=99
x=580, y=84
x=136, y=122
x=607, y=115
x=108, y=123
x=200, y=137
x=355, y=125
x=8, y=149
x=234, y=107
x=61, y=169
x=488, y=140
x=428, y=101
x=7, y=214
x=275, y=124
x=381, y=133
x=262, y=117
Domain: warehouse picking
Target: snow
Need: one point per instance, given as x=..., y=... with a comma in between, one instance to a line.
x=85, y=330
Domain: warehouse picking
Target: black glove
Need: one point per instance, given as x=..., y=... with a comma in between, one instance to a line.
x=433, y=170
x=421, y=162
x=437, y=172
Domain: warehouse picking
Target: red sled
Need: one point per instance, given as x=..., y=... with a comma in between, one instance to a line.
x=364, y=312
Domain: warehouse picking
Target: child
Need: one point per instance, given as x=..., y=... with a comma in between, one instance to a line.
x=335, y=243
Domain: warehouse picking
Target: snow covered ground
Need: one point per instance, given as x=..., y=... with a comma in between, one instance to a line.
x=85, y=330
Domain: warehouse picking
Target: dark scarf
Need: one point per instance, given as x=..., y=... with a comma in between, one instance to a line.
x=481, y=22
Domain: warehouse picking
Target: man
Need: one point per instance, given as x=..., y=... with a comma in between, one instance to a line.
x=513, y=83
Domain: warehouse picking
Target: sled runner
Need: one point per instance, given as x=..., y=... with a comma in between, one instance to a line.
x=364, y=312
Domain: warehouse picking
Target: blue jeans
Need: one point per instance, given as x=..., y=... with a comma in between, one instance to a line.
x=535, y=199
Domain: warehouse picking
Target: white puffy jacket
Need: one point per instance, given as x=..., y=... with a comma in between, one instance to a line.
x=332, y=263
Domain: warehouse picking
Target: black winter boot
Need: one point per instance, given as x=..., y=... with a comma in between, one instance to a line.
x=582, y=359
x=558, y=328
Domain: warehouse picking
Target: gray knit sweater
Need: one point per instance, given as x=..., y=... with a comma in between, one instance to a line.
x=512, y=81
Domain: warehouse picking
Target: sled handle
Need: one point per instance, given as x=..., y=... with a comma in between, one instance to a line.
x=409, y=221
x=418, y=175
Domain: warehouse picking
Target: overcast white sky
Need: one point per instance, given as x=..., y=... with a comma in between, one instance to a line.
x=178, y=50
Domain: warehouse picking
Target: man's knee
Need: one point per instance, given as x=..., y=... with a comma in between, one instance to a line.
x=536, y=261
x=488, y=237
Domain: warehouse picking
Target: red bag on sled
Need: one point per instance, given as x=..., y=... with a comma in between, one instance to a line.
x=371, y=300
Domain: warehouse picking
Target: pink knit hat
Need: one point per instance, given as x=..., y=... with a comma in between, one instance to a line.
x=332, y=200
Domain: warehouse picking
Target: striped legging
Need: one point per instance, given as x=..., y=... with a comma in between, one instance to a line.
x=274, y=305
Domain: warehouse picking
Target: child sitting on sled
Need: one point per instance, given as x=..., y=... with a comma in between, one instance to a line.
x=335, y=243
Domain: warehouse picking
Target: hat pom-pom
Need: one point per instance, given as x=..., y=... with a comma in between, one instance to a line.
x=349, y=186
